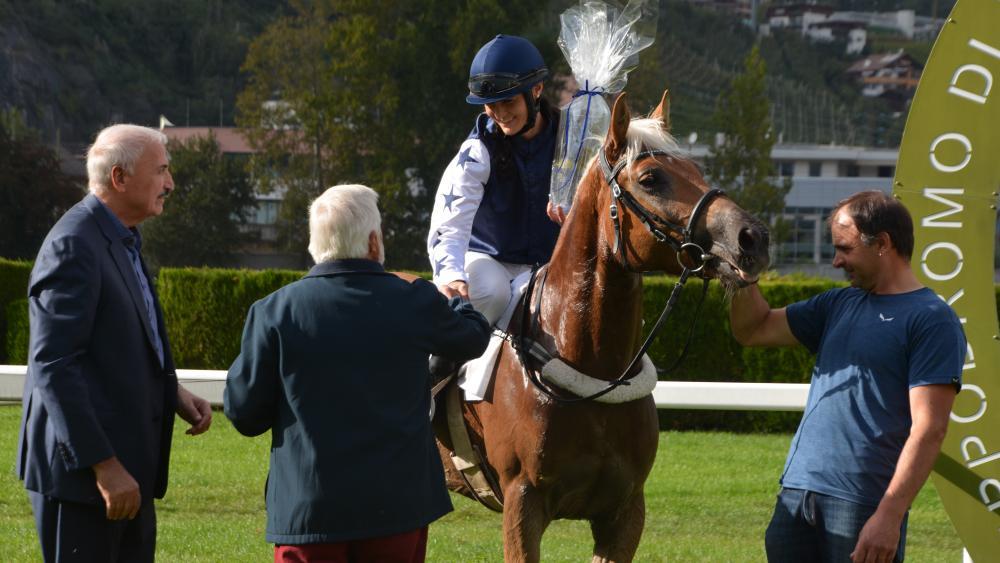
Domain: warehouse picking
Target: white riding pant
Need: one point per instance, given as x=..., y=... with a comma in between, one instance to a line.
x=490, y=283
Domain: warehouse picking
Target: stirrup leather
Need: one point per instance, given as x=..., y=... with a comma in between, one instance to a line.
x=467, y=460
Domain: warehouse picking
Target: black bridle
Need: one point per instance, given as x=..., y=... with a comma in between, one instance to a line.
x=653, y=223
x=651, y=220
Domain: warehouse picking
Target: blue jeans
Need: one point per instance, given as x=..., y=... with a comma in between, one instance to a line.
x=809, y=526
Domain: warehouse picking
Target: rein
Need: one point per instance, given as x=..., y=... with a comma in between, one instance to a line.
x=525, y=346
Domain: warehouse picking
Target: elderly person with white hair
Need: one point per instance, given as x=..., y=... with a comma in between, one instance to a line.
x=335, y=366
x=101, y=390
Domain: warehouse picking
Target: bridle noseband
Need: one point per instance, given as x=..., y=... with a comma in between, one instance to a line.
x=651, y=220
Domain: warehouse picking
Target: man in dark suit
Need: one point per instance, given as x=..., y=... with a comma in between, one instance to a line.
x=335, y=365
x=101, y=390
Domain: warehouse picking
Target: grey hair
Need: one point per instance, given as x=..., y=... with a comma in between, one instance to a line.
x=340, y=221
x=118, y=145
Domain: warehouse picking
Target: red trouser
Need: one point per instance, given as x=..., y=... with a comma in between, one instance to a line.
x=408, y=547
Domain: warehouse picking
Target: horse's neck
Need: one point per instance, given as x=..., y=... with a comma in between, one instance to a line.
x=591, y=307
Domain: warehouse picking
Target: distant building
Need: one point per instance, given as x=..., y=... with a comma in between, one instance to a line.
x=796, y=16
x=902, y=22
x=821, y=176
x=823, y=24
x=893, y=76
x=852, y=34
x=262, y=251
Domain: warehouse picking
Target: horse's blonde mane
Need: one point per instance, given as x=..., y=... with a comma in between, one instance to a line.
x=644, y=134
x=649, y=133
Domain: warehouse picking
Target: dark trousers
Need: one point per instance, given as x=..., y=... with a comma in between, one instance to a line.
x=71, y=531
x=408, y=547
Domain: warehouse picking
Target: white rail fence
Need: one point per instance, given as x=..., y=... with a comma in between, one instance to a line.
x=668, y=394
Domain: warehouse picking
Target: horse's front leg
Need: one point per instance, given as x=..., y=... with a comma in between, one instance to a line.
x=616, y=535
x=525, y=519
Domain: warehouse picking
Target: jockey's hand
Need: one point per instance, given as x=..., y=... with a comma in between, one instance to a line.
x=556, y=213
x=456, y=288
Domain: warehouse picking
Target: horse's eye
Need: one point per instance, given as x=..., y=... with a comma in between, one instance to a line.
x=654, y=178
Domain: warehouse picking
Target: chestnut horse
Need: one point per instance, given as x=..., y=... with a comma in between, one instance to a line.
x=589, y=460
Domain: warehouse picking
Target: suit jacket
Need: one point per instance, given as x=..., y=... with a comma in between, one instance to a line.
x=95, y=387
x=335, y=365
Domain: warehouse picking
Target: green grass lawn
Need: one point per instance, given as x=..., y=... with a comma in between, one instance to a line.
x=708, y=498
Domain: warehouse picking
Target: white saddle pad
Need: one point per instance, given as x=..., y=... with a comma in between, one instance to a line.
x=478, y=372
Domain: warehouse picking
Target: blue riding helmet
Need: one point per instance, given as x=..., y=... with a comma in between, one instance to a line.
x=506, y=66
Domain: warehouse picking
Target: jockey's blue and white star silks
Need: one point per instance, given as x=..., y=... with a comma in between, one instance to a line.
x=480, y=208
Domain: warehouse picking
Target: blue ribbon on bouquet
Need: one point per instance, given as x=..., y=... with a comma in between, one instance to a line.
x=585, y=91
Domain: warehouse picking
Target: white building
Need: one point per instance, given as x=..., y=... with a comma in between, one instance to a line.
x=852, y=34
x=262, y=251
x=821, y=175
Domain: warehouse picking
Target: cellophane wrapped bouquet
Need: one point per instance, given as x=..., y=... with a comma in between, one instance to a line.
x=601, y=42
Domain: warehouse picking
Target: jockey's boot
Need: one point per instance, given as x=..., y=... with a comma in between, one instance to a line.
x=441, y=367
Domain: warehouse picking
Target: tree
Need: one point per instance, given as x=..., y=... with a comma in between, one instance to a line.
x=741, y=164
x=34, y=192
x=203, y=218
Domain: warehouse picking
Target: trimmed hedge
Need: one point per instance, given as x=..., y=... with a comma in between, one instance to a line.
x=18, y=334
x=204, y=310
x=714, y=355
x=14, y=276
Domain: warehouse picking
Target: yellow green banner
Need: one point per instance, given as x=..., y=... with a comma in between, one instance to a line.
x=948, y=176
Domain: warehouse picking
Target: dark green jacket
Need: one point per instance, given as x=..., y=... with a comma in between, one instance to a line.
x=335, y=365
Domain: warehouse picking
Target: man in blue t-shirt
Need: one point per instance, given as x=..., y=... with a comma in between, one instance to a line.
x=889, y=356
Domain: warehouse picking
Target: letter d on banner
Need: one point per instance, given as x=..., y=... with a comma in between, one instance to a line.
x=948, y=176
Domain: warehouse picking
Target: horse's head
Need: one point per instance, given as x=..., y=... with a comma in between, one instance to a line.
x=659, y=211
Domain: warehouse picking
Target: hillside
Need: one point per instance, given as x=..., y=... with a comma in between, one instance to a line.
x=698, y=52
x=71, y=67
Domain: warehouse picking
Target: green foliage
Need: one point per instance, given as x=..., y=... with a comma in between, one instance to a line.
x=14, y=276
x=742, y=163
x=12, y=123
x=18, y=333
x=34, y=192
x=79, y=65
x=204, y=310
x=211, y=201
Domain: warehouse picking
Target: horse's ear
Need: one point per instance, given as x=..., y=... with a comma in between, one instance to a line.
x=616, y=142
x=662, y=111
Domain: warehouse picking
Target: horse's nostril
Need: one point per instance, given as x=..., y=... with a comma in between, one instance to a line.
x=748, y=239
x=753, y=239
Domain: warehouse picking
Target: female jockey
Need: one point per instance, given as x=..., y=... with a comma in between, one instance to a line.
x=491, y=219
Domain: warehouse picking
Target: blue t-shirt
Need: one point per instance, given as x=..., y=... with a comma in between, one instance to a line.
x=870, y=350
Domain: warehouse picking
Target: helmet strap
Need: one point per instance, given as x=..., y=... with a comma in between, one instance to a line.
x=532, y=105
